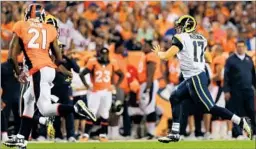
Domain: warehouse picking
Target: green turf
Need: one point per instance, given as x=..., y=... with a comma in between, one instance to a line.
x=147, y=145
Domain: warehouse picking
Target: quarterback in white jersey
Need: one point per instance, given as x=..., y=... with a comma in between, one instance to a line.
x=191, y=56
x=189, y=47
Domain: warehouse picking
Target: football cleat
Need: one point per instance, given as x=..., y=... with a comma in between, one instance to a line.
x=103, y=138
x=71, y=139
x=16, y=141
x=169, y=138
x=84, y=111
x=22, y=147
x=50, y=128
x=247, y=127
x=84, y=138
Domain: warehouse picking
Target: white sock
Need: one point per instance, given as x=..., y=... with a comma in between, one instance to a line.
x=76, y=132
x=151, y=128
x=4, y=136
x=115, y=131
x=134, y=130
x=230, y=133
x=42, y=120
x=176, y=127
x=75, y=108
x=86, y=135
x=236, y=119
x=110, y=135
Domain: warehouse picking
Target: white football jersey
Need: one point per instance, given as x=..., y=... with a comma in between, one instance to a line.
x=191, y=56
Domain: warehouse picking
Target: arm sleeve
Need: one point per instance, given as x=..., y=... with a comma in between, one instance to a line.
x=177, y=42
x=227, y=76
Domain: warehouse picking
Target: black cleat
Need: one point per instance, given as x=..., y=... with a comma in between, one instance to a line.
x=84, y=111
x=169, y=138
x=16, y=141
x=22, y=147
x=150, y=137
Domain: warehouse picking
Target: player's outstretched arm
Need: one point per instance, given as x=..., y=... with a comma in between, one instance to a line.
x=165, y=55
x=14, y=51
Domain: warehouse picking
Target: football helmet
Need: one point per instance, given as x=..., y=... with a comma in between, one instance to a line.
x=103, y=56
x=35, y=11
x=185, y=24
x=49, y=19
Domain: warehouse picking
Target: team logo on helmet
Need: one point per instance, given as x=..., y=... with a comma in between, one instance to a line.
x=186, y=23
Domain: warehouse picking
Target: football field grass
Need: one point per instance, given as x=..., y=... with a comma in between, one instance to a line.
x=146, y=145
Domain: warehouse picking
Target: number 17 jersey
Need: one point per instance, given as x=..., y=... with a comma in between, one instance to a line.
x=191, y=55
x=35, y=39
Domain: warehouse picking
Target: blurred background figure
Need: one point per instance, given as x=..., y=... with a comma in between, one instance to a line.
x=10, y=96
x=239, y=79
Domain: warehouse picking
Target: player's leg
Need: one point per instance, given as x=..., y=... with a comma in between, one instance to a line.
x=79, y=119
x=249, y=108
x=177, y=98
x=233, y=105
x=150, y=110
x=16, y=115
x=69, y=118
x=42, y=81
x=93, y=100
x=4, y=135
x=135, y=114
x=104, y=109
x=26, y=120
x=200, y=87
x=114, y=115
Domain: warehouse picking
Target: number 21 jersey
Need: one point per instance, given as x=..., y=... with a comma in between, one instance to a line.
x=35, y=41
x=191, y=56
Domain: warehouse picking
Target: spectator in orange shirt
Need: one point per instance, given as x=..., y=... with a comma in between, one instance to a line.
x=229, y=44
x=6, y=29
x=219, y=35
x=200, y=28
x=126, y=31
x=162, y=24
x=91, y=13
x=123, y=12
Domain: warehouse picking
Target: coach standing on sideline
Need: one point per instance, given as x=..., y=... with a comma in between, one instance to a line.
x=239, y=78
x=11, y=94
